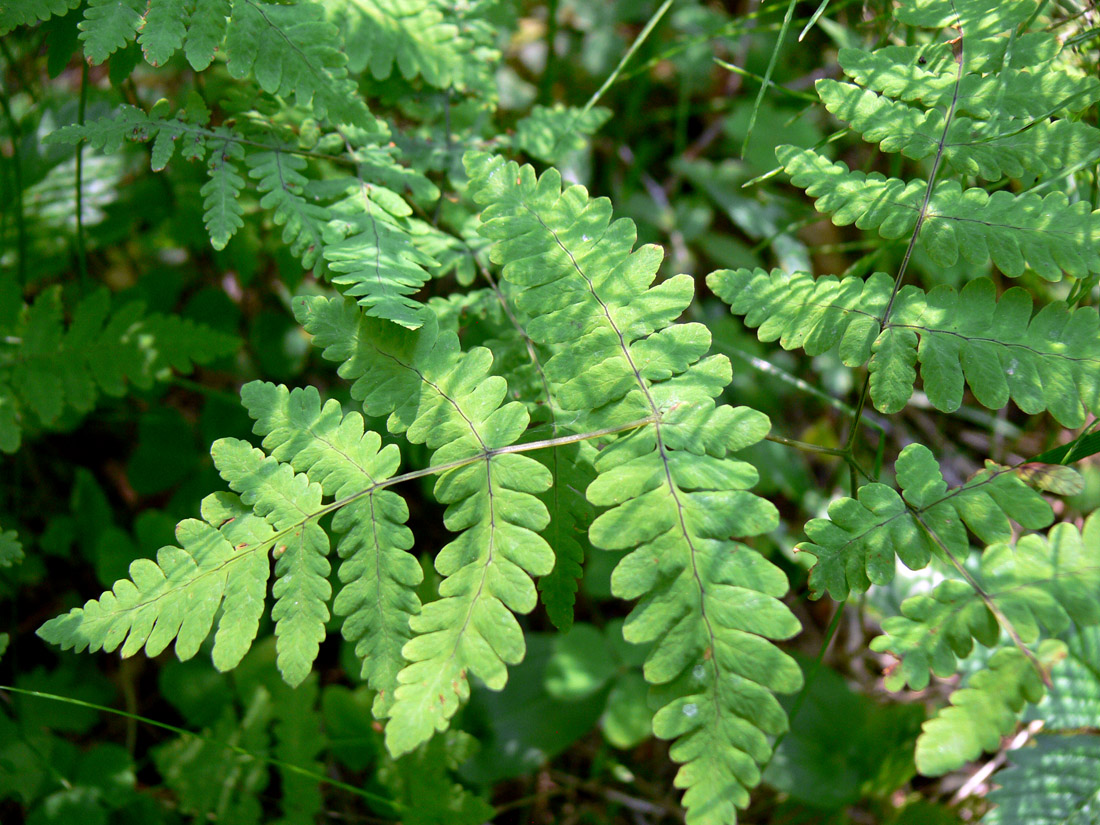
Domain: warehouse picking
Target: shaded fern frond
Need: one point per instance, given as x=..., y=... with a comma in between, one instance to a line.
x=1009, y=93
x=435, y=394
x=47, y=369
x=1057, y=779
x=414, y=35
x=11, y=549
x=293, y=50
x=991, y=149
x=1041, y=582
x=670, y=491
x=856, y=545
x=1055, y=782
x=16, y=13
x=551, y=134
x=1049, y=234
x=985, y=710
x=1046, y=361
x=279, y=177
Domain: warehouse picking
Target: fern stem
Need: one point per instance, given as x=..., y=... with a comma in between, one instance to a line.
x=238, y=749
x=81, y=249
x=921, y=216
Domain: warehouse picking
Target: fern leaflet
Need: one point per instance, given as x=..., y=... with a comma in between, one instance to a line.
x=1038, y=583
x=985, y=710
x=1049, y=361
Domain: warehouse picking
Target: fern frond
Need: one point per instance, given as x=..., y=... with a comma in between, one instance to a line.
x=108, y=25
x=212, y=781
x=414, y=35
x=856, y=545
x=1055, y=782
x=15, y=13
x=177, y=597
x=1049, y=234
x=1040, y=582
x=444, y=398
x=976, y=19
x=378, y=576
x=985, y=710
x=1073, y=702
x=671, y=492
x=990, y=149
x=52, y=368
x=206, y=31
x=279, y=177
x=1049, y=361
x=163, y=30
x=378, y=264
x=572, y=471
x=1011, y=92
x=550, y=134
x=221, y=194
x=293, y=50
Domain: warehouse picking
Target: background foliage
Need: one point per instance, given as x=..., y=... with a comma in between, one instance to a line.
x=300, y=227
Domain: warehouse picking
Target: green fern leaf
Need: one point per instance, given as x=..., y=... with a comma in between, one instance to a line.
x=290, y=503
x=1036, y=93
x=1041, y=582
x=379, y=577
x=1049, y=234
x=975, y=18
x=221, y=195
x=671, y=492
x=177, y=597
x=446, y=399
x=985, y=710
x=571, y=468
x=15, y=13
x=163, y=30
x=291, y=50
x=991, y=149
x=100, y=351
x=206, y=31
x=551, y=134
x=109, y=25
x=1073, y=702
x=1058, y=779
x=1056, y=782
x=413, y=34
x=281, y=180
x=380, y=266
x=856, y=545
x=1049, y=361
